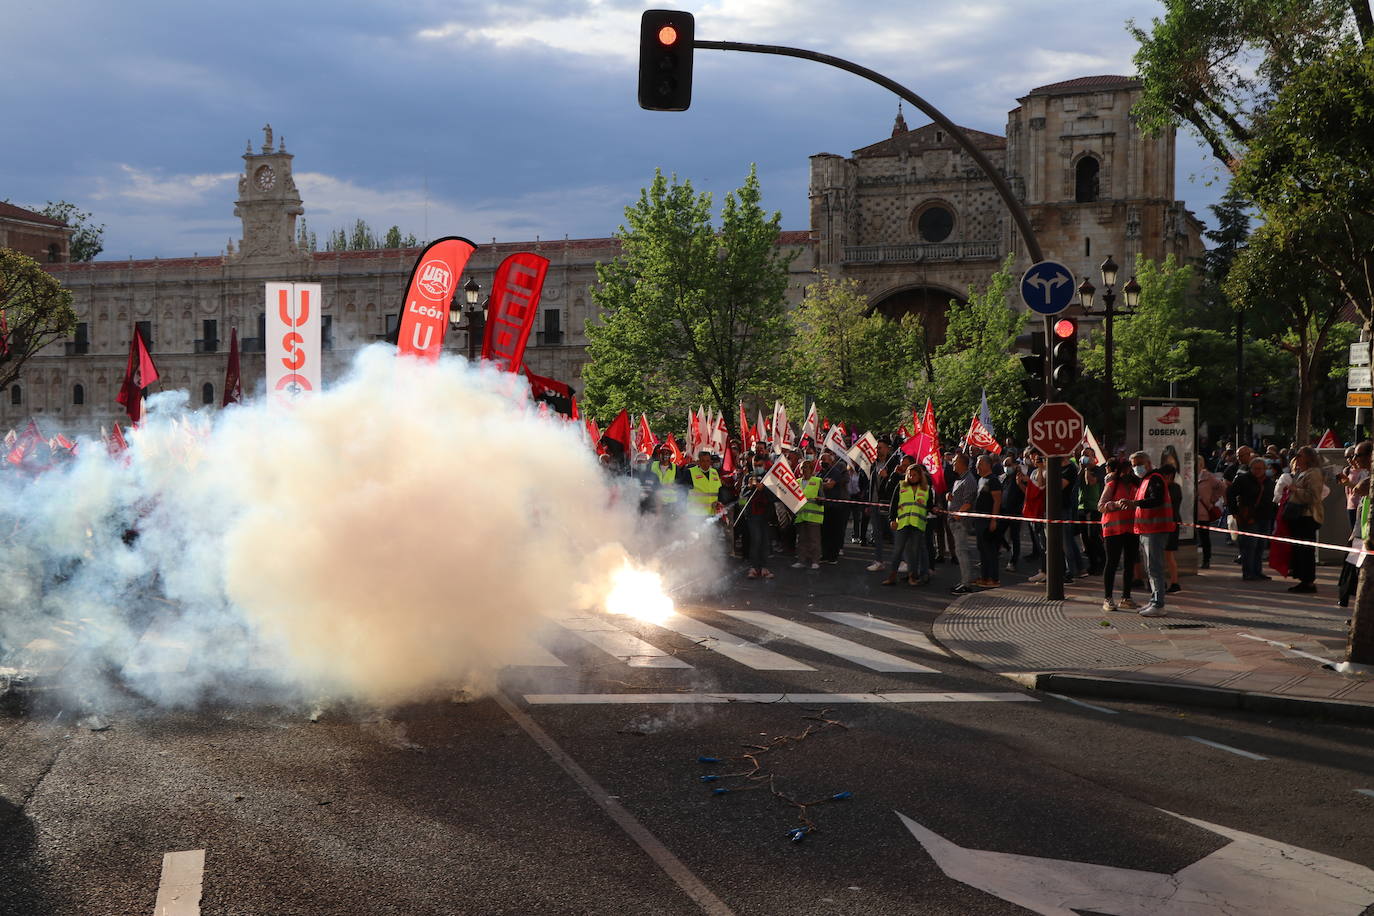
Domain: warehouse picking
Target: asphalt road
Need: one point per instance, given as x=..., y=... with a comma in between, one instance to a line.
x=461, y=806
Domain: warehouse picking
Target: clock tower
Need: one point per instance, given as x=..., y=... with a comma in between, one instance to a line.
x=268, y=202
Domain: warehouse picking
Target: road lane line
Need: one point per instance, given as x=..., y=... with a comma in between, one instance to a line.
x=627, y=647
x=1225, y=747
x=672, y=866
x=854, y=652
x=1060, y=696
x=893, y=631
x=178, y=894
x=730, y=645
x=585, y=699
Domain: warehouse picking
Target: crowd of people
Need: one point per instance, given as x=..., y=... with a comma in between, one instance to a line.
x=1121, y=519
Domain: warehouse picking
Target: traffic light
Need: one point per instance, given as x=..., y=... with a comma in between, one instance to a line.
x=1034, y=363
x=1065, y=356
x=665, y=60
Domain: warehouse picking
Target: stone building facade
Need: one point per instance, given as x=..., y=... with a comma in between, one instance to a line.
x=914, y=220
x=42, y=238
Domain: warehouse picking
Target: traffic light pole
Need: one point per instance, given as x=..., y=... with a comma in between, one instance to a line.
x=1054, y=538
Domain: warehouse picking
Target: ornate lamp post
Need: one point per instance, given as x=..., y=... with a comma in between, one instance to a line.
x=477, y=317
x=1087, y=295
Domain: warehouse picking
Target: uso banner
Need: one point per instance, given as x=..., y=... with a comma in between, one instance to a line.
x=433, y=281
x=514, y=303
x=293, y=339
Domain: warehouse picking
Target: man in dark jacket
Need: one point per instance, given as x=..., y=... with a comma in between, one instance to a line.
x=882, y=480
x=1250, y=500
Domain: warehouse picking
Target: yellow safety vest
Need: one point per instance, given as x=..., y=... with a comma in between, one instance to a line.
x=813, y=511
x=1362, y=523
x=667, y=476
x=705, y=489
x=911, y=507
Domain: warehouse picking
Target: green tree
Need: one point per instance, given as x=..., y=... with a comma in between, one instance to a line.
x=977, y=355
x=1152, y=348
x=87, y=238
x=689, y=314
x=35, y=309
x=305, y=239
x=857, y=365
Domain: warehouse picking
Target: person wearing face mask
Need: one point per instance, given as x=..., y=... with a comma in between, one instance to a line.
x=1250, y=500
x=758, y=512
x=1089, y=493
x=987, y=501
x=1013, y=501
x=1153, y=522
x=1118, y=533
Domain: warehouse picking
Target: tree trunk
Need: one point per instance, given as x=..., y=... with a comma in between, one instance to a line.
x=1303, y=428
x=1360, y=648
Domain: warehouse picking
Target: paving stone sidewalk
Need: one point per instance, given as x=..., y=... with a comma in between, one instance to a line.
x=1225, y=643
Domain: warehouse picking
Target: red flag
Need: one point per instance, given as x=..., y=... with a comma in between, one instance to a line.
x=979, y=436
x=139, y=373
x=648, y=442
x=924, y=446
x=515, y=295
x=233, y=385
x=433, y=284
x=928, y=425
x=117, y=442
x=594, y=432
x=64, y=442
x=743, y=425
x=619, y=430
x=575, y=413
x=1329, y=440
x=23, y=443
x=727, y=463
x=679, y=459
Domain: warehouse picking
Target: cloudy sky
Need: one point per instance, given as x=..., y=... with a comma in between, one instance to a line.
x=491, y=118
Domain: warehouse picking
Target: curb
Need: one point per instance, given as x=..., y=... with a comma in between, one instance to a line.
x=1192, y=695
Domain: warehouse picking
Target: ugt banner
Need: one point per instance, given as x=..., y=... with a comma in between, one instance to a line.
x=515, y=295
x=293, y=339
x=433, y=281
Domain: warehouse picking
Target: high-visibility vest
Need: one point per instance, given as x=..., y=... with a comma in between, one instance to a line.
x=1160, y=519
x=1120, y=521
x=911, y=506
x=667, y=476
x=813, y=511
x=1363, y=521
x=705, y=489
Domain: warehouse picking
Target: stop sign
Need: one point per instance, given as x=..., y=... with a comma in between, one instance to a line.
x=1055, y=429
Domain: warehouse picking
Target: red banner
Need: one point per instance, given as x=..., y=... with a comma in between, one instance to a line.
x=429, y=295
x=979, y=436
x=514, y=304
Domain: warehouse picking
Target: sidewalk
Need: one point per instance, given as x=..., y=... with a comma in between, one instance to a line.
x=1226, y=643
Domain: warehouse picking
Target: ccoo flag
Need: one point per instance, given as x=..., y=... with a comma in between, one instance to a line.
x=515, y=295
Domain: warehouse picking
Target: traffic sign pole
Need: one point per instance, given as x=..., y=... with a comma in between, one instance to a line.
x=1054, y=499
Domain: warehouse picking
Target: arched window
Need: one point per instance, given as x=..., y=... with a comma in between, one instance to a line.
x=1086, y=180
x=16, y=395
x=78, y=394
x=207, y=393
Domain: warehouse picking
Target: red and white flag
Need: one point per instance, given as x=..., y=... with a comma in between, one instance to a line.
x=721, y=439
x=515, y=292
x=834, y=441
x=980, y=437
x=429, y=295
x=864, y=452
x=679, y=459
x=648, y=442
x=761, y=427
x=744, y=427
x=924, y=446
x=139, y=373
x=1329, y=440
x=117, y=442
x=812, y=427
x=783, y=484
x=779, y=426
x=1091, y=442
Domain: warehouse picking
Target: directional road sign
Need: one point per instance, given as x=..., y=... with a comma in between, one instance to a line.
x=1047, y=288
x=1359, y=399
x=1359, y=353
x=1358, y=377
x=1055, y=429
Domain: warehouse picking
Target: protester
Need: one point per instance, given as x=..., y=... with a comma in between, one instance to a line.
x=987, y=501
x=809, y=519
x=962, y=494
x=1169, y=469
x=1013, y=503
x=908, y=513
x=1211, y=498
x=881, y=483
x=1250, y=501
x=1154, y=520
x=1350, y=477
x=1305, y=513
x=668, y=493
x=757, y=501
x=705, y=492
x=835, y=489
x=1120, y=542
x=1032, y=484
x=1089, y=493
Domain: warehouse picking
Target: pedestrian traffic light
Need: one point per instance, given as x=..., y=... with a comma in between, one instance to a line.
x=665, y=60
x=1065, y=355
x=1033, y=362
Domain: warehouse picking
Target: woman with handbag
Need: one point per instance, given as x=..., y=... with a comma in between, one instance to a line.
x=1304, y=513
x=1211, y=493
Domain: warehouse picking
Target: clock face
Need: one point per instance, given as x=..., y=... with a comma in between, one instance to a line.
x=264, y=178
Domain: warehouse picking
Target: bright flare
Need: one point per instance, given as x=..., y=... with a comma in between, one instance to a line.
x=639, y=593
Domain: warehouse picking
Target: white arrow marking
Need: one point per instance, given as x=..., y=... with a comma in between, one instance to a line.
x=1251, y=874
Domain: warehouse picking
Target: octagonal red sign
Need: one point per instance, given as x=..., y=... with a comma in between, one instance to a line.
x=1055, y=429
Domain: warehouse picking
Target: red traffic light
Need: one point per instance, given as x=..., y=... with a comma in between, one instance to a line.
x=1065, y=328
x=667, y=36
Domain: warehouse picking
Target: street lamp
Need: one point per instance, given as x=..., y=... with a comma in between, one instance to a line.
x=477, y=317
x=1087, y=295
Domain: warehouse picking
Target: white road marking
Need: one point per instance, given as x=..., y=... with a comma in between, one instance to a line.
x=1369, y=792
x=532, y=655
x=1251, y=874
x=1287, y=648
x=1225, y=747
x=816, y=639
x=622, y=699
x=178, y=894
x=893, y=631
x=731, y=646
x=663, y=857
x=1060, y=696
x=607, y=637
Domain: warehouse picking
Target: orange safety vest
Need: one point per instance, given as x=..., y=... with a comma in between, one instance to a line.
x=1160, y=519
x=1121, y=521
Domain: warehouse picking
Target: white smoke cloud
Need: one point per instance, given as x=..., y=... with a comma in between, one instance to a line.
x=401, y=533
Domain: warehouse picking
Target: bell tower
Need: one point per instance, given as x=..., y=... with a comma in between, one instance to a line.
x=268, y=202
